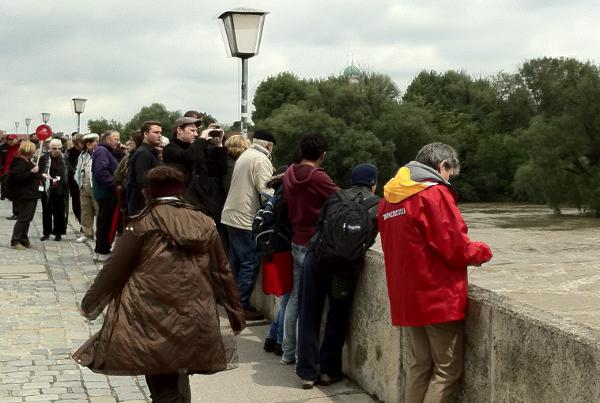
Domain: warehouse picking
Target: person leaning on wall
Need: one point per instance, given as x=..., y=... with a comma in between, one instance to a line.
x=426, y=251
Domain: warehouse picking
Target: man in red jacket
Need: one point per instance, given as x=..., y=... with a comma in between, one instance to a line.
x=426, y=252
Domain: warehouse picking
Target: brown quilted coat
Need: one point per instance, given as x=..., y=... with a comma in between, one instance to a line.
x=162, y=317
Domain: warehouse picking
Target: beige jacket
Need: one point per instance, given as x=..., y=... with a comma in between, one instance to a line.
x=251, y=172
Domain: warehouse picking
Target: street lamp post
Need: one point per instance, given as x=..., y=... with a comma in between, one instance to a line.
x=242, y=31
x=16, y=127
x=27, y=123
x=45, y=117
x=79, y=107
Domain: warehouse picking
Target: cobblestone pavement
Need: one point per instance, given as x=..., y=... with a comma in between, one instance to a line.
x=40, y=323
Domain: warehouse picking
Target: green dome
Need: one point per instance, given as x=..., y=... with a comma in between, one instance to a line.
x=352, y=71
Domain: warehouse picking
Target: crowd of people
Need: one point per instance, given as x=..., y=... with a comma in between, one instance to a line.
x=183, y=210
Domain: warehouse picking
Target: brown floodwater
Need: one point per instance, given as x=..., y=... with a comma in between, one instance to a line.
x=549, y=261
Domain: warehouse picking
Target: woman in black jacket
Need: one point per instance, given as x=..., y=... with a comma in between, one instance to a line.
x=26, y=189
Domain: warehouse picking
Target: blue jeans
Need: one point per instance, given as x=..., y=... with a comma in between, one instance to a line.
x=291, y=310
x=276, y=328
x=243, y=261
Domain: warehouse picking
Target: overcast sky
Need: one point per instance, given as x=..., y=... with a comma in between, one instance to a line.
x=122, y=55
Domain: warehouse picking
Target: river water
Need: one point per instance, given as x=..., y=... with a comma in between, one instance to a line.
x=549, y=261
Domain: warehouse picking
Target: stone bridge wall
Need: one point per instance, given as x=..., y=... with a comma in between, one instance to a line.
x=513, y=353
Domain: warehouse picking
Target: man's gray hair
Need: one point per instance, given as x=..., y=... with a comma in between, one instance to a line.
x=434, y=154
x=108, y=133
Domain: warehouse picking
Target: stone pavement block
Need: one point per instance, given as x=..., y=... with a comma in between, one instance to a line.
x=36, y=385
x=27, y=392
x=41, y=398
x=130, y=396
x=102, y=399
x=98, y=392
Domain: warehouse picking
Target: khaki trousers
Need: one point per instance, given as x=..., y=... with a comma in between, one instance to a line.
x=89, y=210
x=436, y=362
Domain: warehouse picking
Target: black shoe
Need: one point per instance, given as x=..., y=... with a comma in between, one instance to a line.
x=278, y=350
x=327, y=380
x=269, y=346
x=57, y=238
x=12, y=217
x=253, y=314
x=45, y=238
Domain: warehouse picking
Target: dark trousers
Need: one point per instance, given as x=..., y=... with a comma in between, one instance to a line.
x=169, y=388
x=106, y=209
x=75, y=202
x=15, y=209
x=244, y=261
x=53, y=214
x=317, y=283
x=26, y=208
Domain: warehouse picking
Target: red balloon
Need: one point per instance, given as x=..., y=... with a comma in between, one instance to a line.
x=43, y=132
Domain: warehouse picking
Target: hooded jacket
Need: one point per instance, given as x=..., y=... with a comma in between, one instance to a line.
x=305, y=189
x=162, y=283
x=426, y=248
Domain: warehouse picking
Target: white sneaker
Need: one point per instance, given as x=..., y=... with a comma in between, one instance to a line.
x=101, y=258
x=81, y=239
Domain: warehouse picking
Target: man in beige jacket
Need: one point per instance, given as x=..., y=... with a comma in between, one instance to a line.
x=251, y=172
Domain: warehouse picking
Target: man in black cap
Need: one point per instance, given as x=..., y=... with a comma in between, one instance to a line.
x=335, y=280
x=249, y=180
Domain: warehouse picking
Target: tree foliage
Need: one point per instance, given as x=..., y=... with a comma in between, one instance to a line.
x=532, y=135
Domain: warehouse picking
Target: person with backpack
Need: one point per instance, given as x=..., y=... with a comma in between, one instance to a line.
x=272, y=230
x=347, y=227
x=305, y=186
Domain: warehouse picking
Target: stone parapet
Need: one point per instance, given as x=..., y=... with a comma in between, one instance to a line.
x=513, y=352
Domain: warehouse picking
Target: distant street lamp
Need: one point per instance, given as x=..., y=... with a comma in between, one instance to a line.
x=242, y=31
x=79, y=107
x=27, y=123
x=16, y=127
x=45, y=117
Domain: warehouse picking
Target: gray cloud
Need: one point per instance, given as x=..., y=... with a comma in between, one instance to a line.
x=124, y=55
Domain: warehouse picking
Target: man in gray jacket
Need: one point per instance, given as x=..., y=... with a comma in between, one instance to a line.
x=251, y=172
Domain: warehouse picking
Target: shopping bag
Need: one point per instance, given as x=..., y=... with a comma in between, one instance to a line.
x=277, y=273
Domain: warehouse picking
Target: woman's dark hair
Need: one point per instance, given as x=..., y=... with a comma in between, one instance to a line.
x=312, y=146
x=137, y=138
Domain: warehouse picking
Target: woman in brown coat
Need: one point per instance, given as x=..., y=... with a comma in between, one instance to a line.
x=162, y=282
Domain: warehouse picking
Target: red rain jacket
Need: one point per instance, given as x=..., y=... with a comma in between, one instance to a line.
x=426, y=252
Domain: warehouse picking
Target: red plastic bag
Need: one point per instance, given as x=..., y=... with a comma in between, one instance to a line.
x=277, y=273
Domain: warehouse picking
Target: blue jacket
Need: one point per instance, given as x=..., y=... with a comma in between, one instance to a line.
x=104, y=164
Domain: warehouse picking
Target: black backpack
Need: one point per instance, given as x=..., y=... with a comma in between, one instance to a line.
x=344, y=230
x=271, y=226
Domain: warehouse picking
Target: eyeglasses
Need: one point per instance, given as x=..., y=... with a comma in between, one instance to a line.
x=55, y=149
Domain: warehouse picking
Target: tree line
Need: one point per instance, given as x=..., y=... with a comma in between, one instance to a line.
x=531, y=136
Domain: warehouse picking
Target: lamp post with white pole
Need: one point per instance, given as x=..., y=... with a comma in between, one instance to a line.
x=16, y=127
x=242, y=30
x=79, y=107
x=27, y=123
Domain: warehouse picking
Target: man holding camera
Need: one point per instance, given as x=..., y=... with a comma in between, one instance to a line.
x=202, y=159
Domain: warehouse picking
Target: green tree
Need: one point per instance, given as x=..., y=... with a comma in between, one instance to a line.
x=102, y=124
x=157, y=112
x=563, y=141
x=274, y=92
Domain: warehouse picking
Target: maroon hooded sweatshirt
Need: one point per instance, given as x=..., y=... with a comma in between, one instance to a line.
x=305, y=188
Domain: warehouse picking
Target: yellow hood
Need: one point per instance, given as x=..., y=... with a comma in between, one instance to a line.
x=401, y=186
